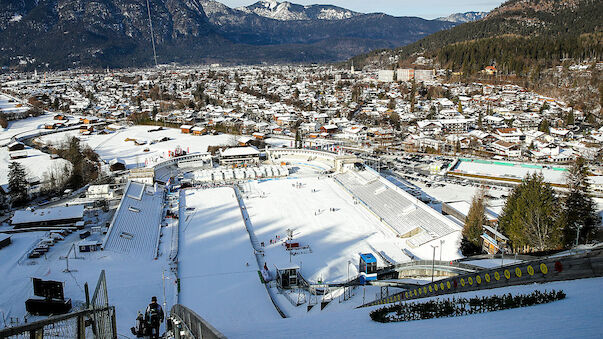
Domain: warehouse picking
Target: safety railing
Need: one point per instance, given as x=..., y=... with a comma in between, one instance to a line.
x=438, y=264
x=188, y=324
x=96, y=321
x=78, y=325
x=536, y=271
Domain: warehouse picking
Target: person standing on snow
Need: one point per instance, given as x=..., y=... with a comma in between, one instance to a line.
x=154, y=317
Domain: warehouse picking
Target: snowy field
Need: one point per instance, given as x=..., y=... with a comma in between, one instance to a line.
x=218, y=270
x=578, y=316
x=37, y=163
x=10, y=107
x=131, y=281
x=114, y=145
x=21, y=127
x=278, y=143
x=332, y=237
x=517, y=171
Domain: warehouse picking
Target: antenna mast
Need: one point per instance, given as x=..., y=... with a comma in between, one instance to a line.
x=152, y=35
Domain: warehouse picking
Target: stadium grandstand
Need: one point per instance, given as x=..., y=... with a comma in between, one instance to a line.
x=407, y=216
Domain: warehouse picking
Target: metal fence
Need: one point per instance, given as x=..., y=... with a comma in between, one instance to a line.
x=188, y=324
x=96, y=321
x=439, y=264
x=103, y=319
x=72, y=325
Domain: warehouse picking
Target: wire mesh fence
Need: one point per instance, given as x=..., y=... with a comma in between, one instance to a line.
x=72, y=325
x=103, y=319
x=96, y=321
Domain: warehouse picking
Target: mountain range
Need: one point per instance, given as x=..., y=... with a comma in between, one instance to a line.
x=517, y=37
x=464, y=17
x=116, y=33
x=288, y=11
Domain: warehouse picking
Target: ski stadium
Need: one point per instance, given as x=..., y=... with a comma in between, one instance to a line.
x=298, y=242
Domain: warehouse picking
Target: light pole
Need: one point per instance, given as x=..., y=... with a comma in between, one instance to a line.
x=441, y=243
x=433, y=261
x=577, y=235
x=163, y=278
x=347, y=287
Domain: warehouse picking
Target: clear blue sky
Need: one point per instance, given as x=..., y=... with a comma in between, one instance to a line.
x=428, y=9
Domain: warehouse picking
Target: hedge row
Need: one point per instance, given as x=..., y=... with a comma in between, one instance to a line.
x=461, y=306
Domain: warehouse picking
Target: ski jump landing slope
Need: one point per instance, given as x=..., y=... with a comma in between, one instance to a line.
x=216, y=281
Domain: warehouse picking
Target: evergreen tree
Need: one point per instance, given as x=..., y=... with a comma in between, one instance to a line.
x=544, y=126
x=413, y=93
x=480, y=123
x=3, y=121
x=529, y=218
x=394, y=120
x=569, y=118
x=432, y=113
x=472, y=230
x=298, y=139
x=17, y=183
x=579, y=212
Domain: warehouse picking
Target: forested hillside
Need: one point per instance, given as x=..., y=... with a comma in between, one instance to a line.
x=515, y=37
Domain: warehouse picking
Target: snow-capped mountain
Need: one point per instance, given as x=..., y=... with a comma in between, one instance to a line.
x=286, y=11
x=464, y=17
x=115, y=33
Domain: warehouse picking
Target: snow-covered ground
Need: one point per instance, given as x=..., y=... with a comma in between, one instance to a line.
x=332, y=237
x=6, y=106
x=37, y=163
x=492, y=263
x=131, y=281
x=114, y=145
x=18, y=127
x=577, y=316
x=218, y=270
x=278, y=142
x=518, y=171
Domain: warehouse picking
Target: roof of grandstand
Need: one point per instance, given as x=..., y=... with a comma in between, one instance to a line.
x=136, y=224
x=406, y=215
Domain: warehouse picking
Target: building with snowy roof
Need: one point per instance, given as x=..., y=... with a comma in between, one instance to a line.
x=460, y=210
x=136, y=224
x=240, y=156
x=15, y=146
x=48, y=216
x=100, y=192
